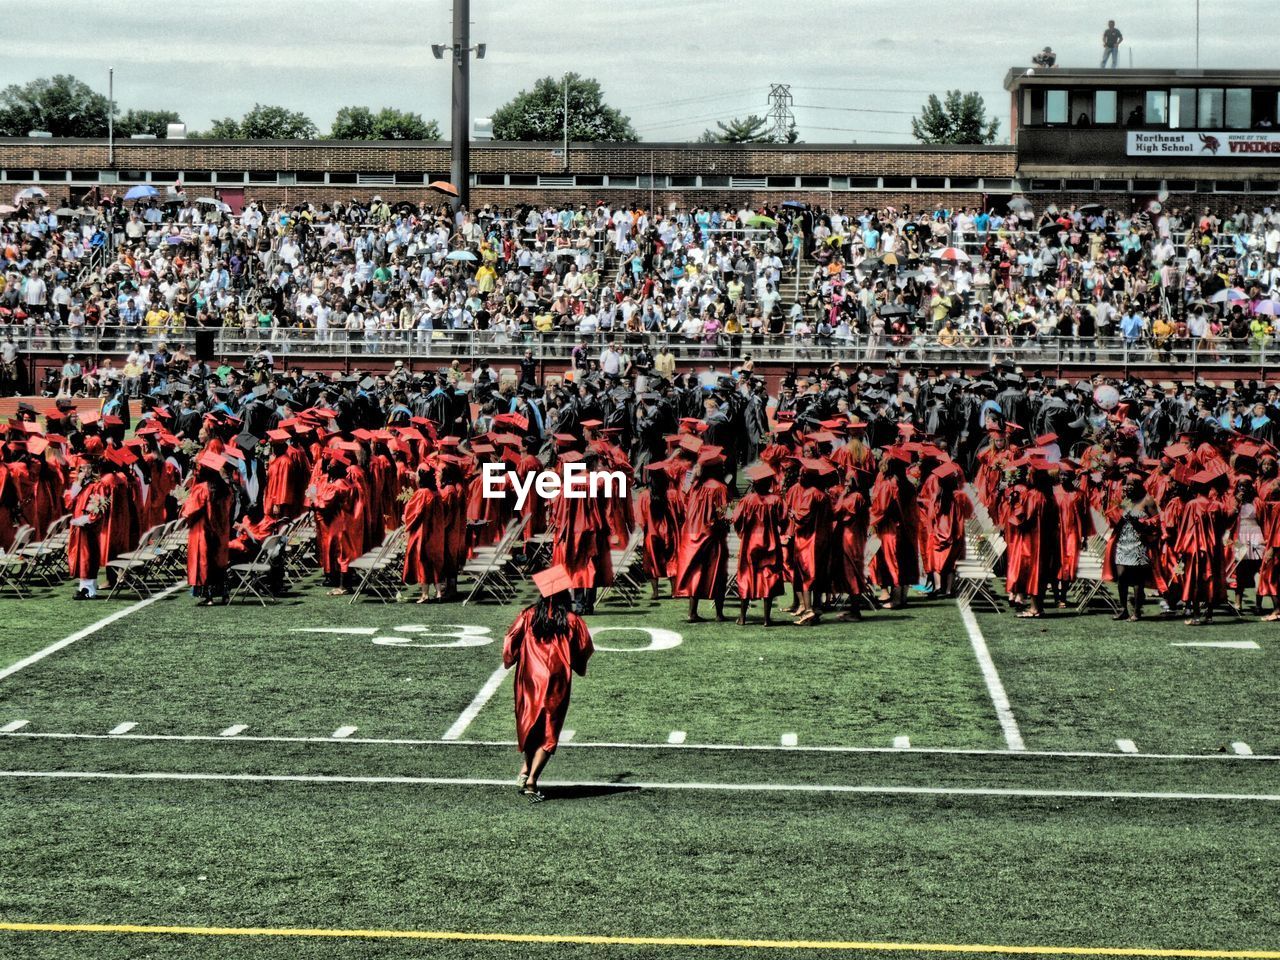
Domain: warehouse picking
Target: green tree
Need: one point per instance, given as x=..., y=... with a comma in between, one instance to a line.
x=264, y=122
x=62, y=105
x=752, y=129
x=538, y=114
x=146, y=121
x=961, y=118
x=361, y=123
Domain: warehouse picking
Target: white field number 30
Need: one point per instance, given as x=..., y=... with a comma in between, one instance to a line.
x=470, y=635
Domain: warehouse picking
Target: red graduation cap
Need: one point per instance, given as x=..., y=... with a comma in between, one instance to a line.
x=278, y=436
x=1177, y=451
x=759, y=472
x=482, y=448
x=786, y=426
x=823, y=436
x=90, y=417
x=570, y=456
x=31, y=426
x=120, y=456
x=553, y=580
x=949, y=470
x=514, y=419
x=658, y=466
x=819, y=467
x=212, y=461
x=593, y=424
x=362, y=434
x=1045, y=439
x=692, y=444
x=37, y=445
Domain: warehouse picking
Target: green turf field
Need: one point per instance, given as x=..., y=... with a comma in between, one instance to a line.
x=341, y=767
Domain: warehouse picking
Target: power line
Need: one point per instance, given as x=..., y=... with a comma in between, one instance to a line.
x=688, y=100
x=892, y=133
x=719, y=115
x=814, y=106
x=866, y=90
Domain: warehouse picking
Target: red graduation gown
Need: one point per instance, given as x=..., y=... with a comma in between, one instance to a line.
x=809, y=513
x=660, y=525
x=760, y=520
x=893, y=516
x=848, y=558
x=1268, y=514
x=702, y=561
x=582, y=541
x=286, y=484
x=1075, y=524
x=339, y=533
x=544, y=676
x=425, y=543
x=84, y=545
x=208, y=531
x=1198, y=544
x=946, y=519
x=1033, y=543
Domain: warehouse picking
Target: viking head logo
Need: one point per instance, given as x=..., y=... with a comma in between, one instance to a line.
x=1211, y=144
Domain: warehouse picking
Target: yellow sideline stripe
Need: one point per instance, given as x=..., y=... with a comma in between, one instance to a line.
x=551, y=938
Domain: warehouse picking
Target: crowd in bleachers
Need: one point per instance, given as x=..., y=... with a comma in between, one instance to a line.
x=370, y=274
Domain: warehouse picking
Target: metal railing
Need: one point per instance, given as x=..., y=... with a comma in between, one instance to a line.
x=419, y=348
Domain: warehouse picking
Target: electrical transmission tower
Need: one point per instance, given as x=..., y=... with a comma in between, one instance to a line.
x=782, y=119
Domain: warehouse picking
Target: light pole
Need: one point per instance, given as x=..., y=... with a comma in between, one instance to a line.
x=461, y=49
x=1197, y=34
x=111, y=111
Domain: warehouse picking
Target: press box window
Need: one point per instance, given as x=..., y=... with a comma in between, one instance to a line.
x=1182, y=108
x=491, y=179
x=1210, y=107
x=1104, y=106
x=1239, y=109
x=1156, y=109
x=1055, y=106
x=682, y=181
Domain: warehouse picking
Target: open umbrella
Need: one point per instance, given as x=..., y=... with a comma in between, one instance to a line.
x=443, y=186
x=567, y=252
x=1090, y=208
x=64, y=212
x=466, y=255
x=760, y=220
x=1230, y=294
x=142, y=191
x=29, y=193
x=1020, y=205
x=7, y=208
x=950, y=253
x=795, y=205
x=1270, y=308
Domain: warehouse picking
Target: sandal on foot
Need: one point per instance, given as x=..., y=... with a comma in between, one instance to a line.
x=535, y=795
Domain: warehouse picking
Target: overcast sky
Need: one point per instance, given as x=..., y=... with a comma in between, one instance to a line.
x=858, y=69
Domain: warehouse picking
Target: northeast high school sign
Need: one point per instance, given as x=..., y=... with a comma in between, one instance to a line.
x=1214, y=144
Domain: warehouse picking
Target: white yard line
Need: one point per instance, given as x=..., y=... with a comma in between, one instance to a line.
x=676, y=737
x=1012, y=736
x=1127, y=746
x=607, y=745
x=645, y=785
x=13, y=726
x=235, y=730
x=121, y=730
x=342, y=733
x=87, y=631
x=1242, y=749
x=567, y=735
x=486, y=693
x=902, y=743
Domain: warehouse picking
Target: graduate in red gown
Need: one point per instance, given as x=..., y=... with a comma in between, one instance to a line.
x=547, y=644
x=896, y=564
x=1075, y=526
x=87, y=501
x=453, y=509
x=1198, y=544
x=702, y=553
x=660, y=522
x=851, y=517
x=581, y=543
x=948, y=511
x=809, y=528
x=287, y=475
x=761, y=522
x=1267, y=510
x=1033, y=539
x=207, y=511
x=339, y=531
x=424, y=524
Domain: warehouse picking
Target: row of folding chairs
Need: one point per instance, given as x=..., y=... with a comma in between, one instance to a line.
x=159, y=558
x=628, y=577
x=381, y=569
x=491, y=567
x=985, y=546
x=29, y=562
